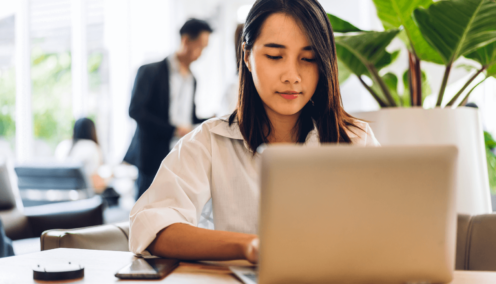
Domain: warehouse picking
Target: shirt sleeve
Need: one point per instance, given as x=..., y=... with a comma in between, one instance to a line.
x=178, y=193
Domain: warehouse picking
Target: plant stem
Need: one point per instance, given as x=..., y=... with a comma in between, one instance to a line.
x=465, y=99
x=383, y=86
x=418, y=77
x=374, y=94
x=443, y=85
x=453, y=100
x=411, y=84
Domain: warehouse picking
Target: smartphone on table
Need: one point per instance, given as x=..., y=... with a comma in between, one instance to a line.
x=147, y=268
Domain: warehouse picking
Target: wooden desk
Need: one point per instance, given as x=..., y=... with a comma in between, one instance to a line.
x=100, y=267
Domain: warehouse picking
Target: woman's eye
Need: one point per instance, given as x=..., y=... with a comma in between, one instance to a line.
x=273, y=57
x=309, y=59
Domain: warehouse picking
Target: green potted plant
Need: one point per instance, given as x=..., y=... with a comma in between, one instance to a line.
x=430, y=34
x=491, y=165
x=440, y=32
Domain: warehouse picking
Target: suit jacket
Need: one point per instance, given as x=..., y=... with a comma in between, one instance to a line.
x=150, y=108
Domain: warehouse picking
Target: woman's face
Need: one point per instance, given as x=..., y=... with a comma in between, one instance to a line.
x=283, y=66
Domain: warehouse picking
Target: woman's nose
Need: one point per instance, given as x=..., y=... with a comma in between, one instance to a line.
x=291, y=73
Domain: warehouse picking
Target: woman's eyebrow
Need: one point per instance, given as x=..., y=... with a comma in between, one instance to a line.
x=276, y=45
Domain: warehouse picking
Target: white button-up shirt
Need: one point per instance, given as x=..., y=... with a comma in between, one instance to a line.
x=182, y=88
x=210, y=163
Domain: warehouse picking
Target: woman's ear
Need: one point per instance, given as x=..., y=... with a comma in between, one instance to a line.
x=246, y=54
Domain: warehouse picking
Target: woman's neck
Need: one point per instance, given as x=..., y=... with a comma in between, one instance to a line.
x=282, y=127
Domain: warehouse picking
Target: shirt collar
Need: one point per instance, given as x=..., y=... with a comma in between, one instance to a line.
x=223, y=129
x=233, y=132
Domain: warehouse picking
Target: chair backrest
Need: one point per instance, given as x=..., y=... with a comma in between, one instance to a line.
x=476, y=242
x=14, y=221
x=46, y=177
x=55, y=181
x=7, y=198
x=104, y=237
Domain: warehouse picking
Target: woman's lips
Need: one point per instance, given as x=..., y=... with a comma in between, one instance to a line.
x=289, y=95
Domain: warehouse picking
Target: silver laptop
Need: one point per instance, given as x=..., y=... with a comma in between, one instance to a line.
x=346, y=214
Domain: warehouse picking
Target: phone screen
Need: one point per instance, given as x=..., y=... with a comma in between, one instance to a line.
x=150, y=268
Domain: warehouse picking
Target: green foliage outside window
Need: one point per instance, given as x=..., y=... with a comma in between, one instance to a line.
x=51, y=100
x=7, y=104
x=51, y=96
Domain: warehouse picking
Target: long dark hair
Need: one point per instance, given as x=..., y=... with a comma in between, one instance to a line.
x=326, y=111
x=237, y=43
x=84, y=128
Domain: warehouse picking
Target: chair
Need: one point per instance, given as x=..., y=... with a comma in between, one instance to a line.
x=52, y=182
x=476, y=242
x=30, y=222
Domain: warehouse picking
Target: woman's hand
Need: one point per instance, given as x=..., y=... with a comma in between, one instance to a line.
x=251, y=250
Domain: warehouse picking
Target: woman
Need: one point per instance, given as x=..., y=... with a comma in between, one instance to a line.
x=83, y=147
x=288, y=93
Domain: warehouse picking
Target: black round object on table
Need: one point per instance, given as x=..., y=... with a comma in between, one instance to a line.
x=61, y=271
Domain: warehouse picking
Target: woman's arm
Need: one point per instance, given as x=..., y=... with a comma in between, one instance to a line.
x=182, y=241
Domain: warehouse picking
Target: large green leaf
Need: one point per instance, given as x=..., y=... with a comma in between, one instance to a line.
x=489, y=140
x=365, y=54
x=392, y=82
x=457, y=27
x=491, y=169
x=485, y=55
x=491, y=70
x=396, y=13
x=341, y=26
x=343, y=72
x=360, y=52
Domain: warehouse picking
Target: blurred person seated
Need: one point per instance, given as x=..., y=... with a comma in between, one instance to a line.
x=163, y=103
x=230, y=98
x=84, y=147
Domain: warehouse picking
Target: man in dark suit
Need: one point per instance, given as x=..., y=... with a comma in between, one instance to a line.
x=163, y=103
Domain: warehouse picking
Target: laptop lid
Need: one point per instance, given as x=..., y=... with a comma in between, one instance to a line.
x=347, y=214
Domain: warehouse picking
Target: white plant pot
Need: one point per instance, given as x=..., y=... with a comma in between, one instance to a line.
x=460, y=127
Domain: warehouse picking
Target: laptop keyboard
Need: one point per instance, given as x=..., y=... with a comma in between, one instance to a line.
x=252, y=276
